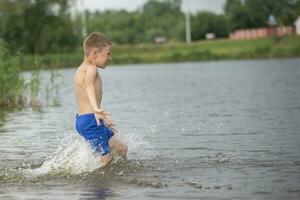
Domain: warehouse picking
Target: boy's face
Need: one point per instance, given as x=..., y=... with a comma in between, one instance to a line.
x=103, y=57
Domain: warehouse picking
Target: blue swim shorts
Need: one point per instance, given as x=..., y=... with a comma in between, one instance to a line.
x=97, y=136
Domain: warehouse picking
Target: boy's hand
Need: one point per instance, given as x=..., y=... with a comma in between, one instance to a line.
x=113, y=129
x=105, y=116
x=100, y=114
x=110, y=123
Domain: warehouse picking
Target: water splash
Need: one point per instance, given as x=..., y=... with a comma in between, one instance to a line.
x=138, y=147
x=75, y=156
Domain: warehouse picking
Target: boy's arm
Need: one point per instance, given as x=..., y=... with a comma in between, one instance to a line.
x=90, y=77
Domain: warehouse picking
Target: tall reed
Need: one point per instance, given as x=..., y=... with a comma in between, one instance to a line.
x=11, y=81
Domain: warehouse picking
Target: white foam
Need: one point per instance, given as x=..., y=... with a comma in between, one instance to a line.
x=73, y=155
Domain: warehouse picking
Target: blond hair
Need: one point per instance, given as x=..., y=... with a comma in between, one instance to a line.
x=95, y=40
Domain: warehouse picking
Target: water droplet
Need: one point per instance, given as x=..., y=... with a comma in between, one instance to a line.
x=120, y=173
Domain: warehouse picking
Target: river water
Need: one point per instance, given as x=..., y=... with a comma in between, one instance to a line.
x=211, y=130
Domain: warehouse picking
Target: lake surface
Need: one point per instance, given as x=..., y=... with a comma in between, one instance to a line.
x=215, y=130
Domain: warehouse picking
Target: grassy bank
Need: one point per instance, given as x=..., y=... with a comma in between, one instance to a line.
x=11, y=82
x=15, y=91
x=180, y=52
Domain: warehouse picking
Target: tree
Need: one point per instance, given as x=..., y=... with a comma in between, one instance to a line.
x=120, y=26
x=255, y=13
x=208, y=22
x=163, y=18
x=240, y=16
x=37, y=26
x=157, y=18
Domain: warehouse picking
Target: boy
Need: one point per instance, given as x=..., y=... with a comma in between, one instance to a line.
x=92, y=122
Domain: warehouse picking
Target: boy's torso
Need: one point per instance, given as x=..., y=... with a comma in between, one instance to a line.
x=83, y=102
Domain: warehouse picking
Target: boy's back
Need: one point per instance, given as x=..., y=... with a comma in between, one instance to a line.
x=80, y=85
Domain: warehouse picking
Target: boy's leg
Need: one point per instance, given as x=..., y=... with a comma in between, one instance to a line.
x=117, y=145
x=106, y=159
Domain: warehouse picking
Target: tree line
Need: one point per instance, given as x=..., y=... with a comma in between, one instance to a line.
x=49, y=26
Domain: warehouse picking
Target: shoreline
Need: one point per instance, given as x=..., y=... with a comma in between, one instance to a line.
x=214, y=50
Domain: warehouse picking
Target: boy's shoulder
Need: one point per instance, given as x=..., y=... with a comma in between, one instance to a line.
x=88, y=69
x=85, y=67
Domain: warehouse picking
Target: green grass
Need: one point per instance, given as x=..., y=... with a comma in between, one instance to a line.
x=180, y=52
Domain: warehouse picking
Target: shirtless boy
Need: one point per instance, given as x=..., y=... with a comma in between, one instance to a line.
x=92, y=122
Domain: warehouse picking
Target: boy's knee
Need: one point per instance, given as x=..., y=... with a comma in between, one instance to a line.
x=123, y=150
x=105, y=160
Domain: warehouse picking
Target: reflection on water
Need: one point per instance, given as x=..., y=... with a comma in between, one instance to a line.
x=219, y=130
x=97, y=193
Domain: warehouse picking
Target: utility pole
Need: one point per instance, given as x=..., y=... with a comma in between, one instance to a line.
x=83, y=21
x=188, y=27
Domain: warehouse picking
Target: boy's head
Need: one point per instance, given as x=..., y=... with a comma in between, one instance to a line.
x=97, y=48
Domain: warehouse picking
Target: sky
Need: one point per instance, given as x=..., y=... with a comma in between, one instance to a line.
x=130, y=5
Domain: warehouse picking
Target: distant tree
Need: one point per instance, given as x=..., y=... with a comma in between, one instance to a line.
x=163, y=18
x=121, y=26
x=281, y=9
x=255, y=13
x=37, y=26
x=160, y=8
x=240, y=16
x=156, y=18
x=12, y=23
x=208, y=22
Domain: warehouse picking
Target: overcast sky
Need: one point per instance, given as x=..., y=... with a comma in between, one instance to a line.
x=130, y=5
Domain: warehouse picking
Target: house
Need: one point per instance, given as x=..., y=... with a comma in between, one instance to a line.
x=210, y=36
x=160, y=40
x=277, y=31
